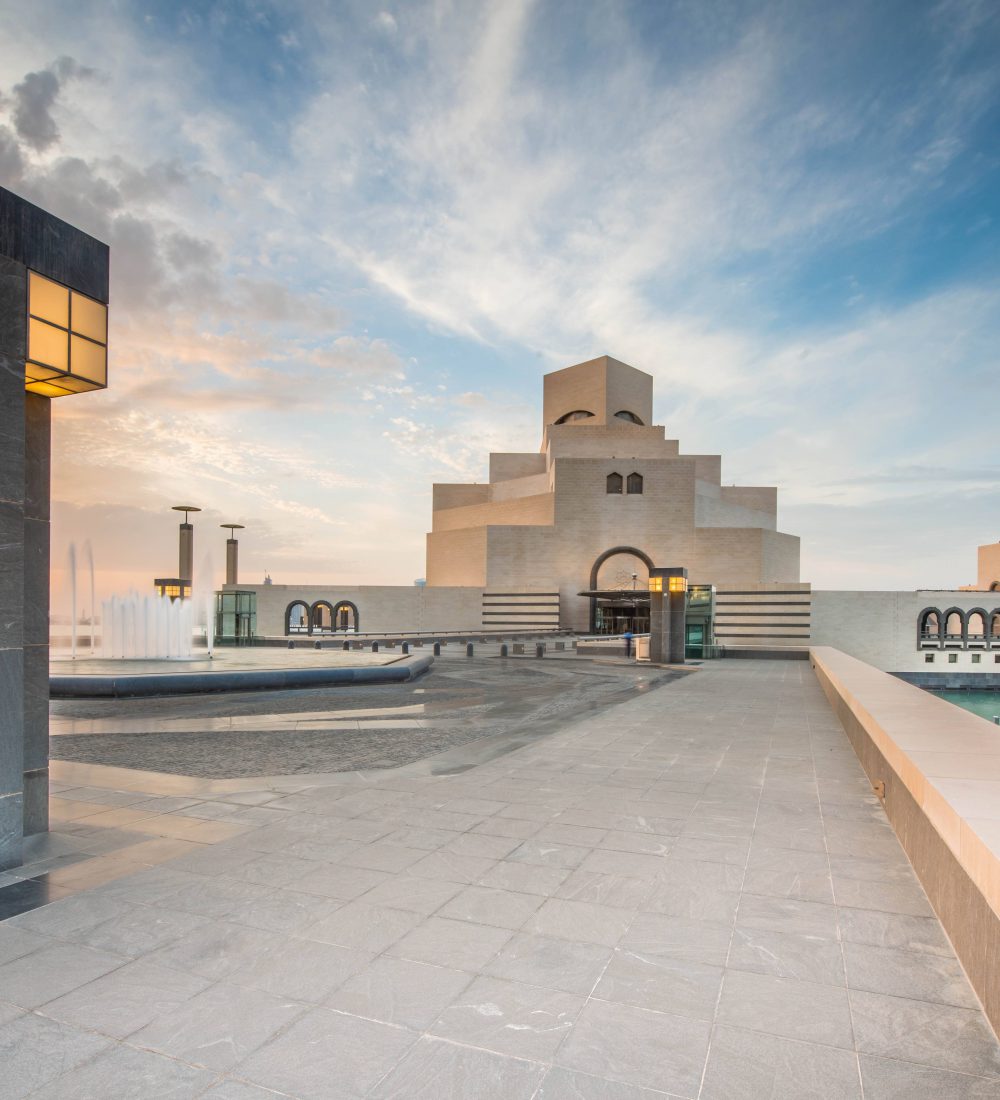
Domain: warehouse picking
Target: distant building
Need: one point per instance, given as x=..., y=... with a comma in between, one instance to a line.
x=988, y=573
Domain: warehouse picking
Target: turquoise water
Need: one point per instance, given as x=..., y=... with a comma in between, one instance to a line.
x=983, y=703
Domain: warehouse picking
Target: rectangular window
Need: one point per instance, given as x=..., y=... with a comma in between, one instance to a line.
x=67, y=340
x=975, y=658
x=928, y=658
x=953, y=658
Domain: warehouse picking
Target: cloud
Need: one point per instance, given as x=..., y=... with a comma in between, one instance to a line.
x=36, y=95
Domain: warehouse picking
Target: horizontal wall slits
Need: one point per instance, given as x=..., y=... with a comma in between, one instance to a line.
x=516, y=611
x=763, y=616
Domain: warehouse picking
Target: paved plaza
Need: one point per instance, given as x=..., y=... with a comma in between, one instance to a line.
x=689, y=894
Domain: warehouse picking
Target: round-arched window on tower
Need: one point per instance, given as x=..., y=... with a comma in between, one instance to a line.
x=576, y=414
x=628, y=417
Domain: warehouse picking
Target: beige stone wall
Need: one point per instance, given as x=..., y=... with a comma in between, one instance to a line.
x=504, y=465
x=536, y=510
x=457, y=495
x=532, y=485
x=759, y=498
x=880, y=628
x=381, y=608
x=586, y=440
x=601, y=386
x=989, y=566
x=730, y=556
x=457, y=557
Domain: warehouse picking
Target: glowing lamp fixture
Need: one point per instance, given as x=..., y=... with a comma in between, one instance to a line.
x=67, y=340
x=668, y=580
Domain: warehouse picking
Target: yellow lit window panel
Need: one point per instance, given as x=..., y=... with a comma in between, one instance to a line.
x=90, y=318
x=77, y=385
x=89, y=360
x=48, y=345
x=35, y=373
x=47, y=389
x=48, y=299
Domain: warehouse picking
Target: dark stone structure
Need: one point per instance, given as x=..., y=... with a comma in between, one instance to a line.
x=30, y=240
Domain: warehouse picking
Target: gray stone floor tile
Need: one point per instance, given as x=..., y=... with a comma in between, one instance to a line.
x=35, y=1051
x=896, y=869
x=424, y=840
x=788, y=955
x=141, y=930
x=398, y=991
x=34, y=979
x=633, y=864
x=792, y=1009
x=914, y=974
x=579, y=920
x=549, y=853
x=419, y=895
x=618, y=891
x=661, y=983
x=730, y=851
x=679, y=938
x=746, y=1065
x=561, y=1084
x=555, y=963
x=693, y=901
x=284, y=911
x=218, y=1027
x=122, y=1073
x=576, y=835
x=65, y=918
x=784, y=873
x=216, y=898
x=125, y=1000
x=887, y=1079
x=363, y=927
x=931, y=1034
x=451, y=943
x=771, y=914
x=437, y=1070
x=881, y=929
x=450, y=867
x=334, y=880
x=647, y=844
x=481, y=845
x=383, y=856
x=270, y=870
x=328, y=1056
x=304, y=970
x=892, y=897
x=507, y=827
x=483, y=905
x=524, y=1021
x=238, y=1090
x=217, y=949
x=615, y=1041
x=16, y=942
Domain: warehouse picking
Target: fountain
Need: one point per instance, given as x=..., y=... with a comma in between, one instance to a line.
x=135, y=627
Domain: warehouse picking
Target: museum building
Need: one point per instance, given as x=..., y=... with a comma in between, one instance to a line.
x=564, y=538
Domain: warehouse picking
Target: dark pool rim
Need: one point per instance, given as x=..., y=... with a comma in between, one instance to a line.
x=125, y=685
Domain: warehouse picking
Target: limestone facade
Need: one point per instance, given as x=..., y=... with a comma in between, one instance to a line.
x=605, y=477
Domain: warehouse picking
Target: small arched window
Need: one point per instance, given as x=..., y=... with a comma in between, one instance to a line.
x=614, y=484
x=322, y=617
x=297, y=618
x=995, y=626
x=634, y=483
x=628, y=417
x=576, y=414
x=975, y=627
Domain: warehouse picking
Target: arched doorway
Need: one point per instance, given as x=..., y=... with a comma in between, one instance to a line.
x=619, y=586
x=297, y=618
x=345, y=617
x=322, y=617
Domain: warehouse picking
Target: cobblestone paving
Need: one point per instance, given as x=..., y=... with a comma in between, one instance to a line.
x=691, y=895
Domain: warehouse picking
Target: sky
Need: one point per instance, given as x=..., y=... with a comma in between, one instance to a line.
x=348, y=240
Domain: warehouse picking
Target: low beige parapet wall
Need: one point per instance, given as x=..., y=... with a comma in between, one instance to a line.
x=940, y=767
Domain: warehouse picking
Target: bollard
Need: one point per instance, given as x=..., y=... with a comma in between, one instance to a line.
x=406, y=647
x=374, y=647
x=468, y=650
x=539, y=649
x=317, y=645
x=503, y=650
x=437, y=649
x=291, y=645
x=347, y=645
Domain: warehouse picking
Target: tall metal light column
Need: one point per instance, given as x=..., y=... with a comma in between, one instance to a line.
x=232, y=552
x=185, y=556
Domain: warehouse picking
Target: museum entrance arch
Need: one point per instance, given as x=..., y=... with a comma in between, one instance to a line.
x=619, y=591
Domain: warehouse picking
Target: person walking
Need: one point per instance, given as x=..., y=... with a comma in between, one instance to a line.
x=628, y=643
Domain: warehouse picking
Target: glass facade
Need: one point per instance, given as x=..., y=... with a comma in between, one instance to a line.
x=235, y=616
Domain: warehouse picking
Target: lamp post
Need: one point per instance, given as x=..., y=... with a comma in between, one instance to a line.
x=185, y=557
x=232, y=552
x=667, y=625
